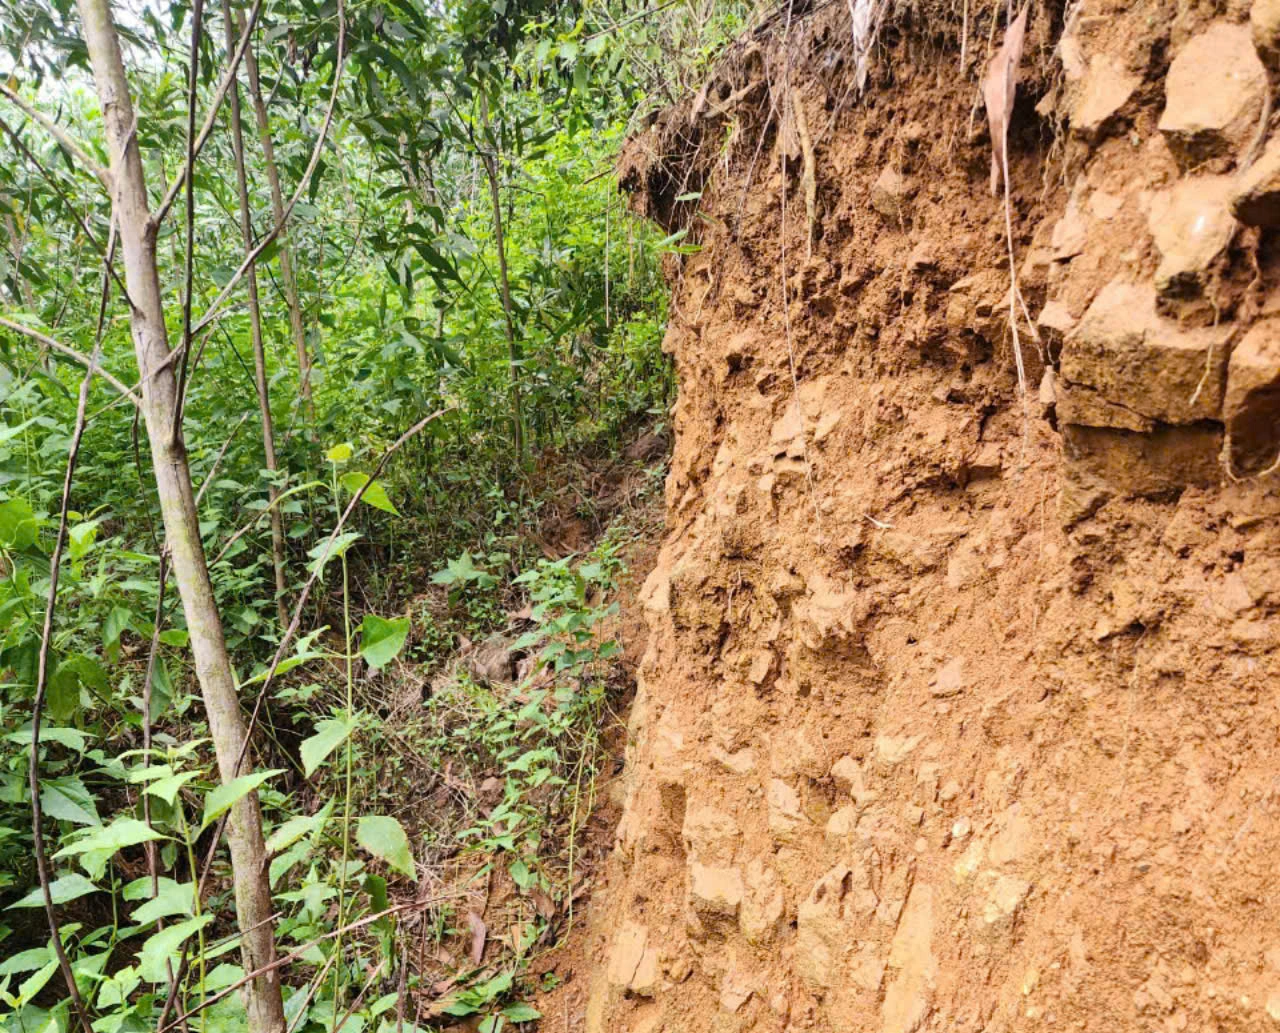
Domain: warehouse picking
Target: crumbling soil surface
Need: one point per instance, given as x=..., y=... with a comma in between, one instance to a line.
x=959, y=709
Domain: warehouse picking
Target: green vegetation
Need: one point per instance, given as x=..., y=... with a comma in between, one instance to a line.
x=351, y=366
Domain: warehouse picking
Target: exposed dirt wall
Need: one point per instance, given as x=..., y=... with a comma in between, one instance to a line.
x=959, y=712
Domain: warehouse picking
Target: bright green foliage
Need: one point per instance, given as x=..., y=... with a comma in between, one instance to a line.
x=397, y=263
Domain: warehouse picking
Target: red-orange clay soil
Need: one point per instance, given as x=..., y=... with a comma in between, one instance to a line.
x=959, y=707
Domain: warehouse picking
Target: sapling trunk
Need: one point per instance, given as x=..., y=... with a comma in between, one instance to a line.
x=513, y=346
x=255, y=332
x=288, y=281
x=159, y=386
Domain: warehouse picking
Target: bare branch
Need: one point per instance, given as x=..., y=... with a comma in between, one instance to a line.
x=71, y=353
x=42, y=666
x=188, y=264
x=218, y=459
x=207, y=866
x=171, y=195
x=285, y=959
x=52, y=180
x=59, y=134
x=212, y=312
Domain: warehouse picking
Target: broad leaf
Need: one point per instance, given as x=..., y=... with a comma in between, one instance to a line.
x=384, y=837
x=321, y=554
x=167, y=788
x=67, y=799
x=296, y=828
x=225, y=796
x=381, y=640
x=69, y=887
x=72, y=738
x=330, y=734
x=375, y=494
x=18, y=524
x=163, y=946
x=121, y=833
x=174, y=898
x=25, y=961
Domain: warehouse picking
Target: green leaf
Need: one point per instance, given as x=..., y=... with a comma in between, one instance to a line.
x=322, y=553
x=225, y=796
x=121, y=833
x=521, y=875
x=37, y=982
x=339, y=453
x=67, y=799
x=168, y=787
x=163, y=946
x=173, y=898
x=90, y=672
x=176, y=637
x=330, y=734
x=63, y=697
x=521, y=1012
x=297, y=827
x=69, y=887
x=381, y=640
x=25, y=961
x=18, y=525
x=7, y=433
x=375, y=494
x=384, y=837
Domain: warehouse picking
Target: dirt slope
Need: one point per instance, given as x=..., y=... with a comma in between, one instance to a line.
x=960, y=714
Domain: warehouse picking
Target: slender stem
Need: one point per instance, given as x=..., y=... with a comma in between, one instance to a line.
x=289, y=281
x=259, y=351
x=58, y=133
x=71, y=353
x=42, y=667
x=212, y=312
x=513, y=346
x=210, y=118
x=346, y=802
x=188, y=267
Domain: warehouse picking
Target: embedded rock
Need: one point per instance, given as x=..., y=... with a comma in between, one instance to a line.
x=907, y=998
x=715, y=892
x=820, y=927
x=1214, y=91
x=762, y=902
x=1264, y=23
x=1054, y=323
x=1099, y=95
x=1252, y=406
x=890, y=193
x=1125, y=366
x=847, y=775
x=710, y=835
x=1004, y=900
x=784, y=809
x=633, y=961
x=1103, y=463
x=1256, y=198
x=1192, y=225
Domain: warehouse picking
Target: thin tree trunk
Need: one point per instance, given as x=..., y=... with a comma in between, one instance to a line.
x=255, y=331
x=287, y=279
x=513, y=346
x=263, y=999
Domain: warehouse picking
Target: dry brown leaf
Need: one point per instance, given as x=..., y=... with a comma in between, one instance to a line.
x=999, y=90
x=479, y=932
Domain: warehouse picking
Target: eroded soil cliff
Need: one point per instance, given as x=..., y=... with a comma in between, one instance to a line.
x=959, y=710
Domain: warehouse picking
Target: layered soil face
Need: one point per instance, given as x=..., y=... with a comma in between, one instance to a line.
x=959, y=706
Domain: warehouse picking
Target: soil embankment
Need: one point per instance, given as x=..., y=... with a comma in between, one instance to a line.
x=959, y=712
